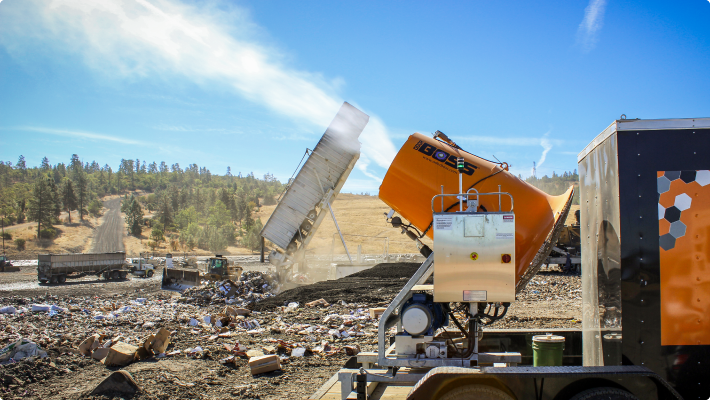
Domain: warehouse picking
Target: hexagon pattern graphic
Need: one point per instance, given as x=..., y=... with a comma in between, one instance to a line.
x=681, y=203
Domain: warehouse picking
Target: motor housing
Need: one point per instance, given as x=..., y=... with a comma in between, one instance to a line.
x=421, y=316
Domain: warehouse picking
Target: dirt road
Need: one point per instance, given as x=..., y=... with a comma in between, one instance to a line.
x=109, y=235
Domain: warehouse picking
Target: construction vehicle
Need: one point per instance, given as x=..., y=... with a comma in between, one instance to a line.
x=144, y=267
x=644, y=186
x=6, y=265
x=218, y=269
x=567, y=252
x=308, y=198
x=56, y=268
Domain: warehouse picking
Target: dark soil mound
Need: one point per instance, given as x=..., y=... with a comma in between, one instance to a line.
x=377, y=284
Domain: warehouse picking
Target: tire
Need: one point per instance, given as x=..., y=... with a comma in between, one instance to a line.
x=61, y=278
x=53, y=279
x=306, y=226
x=476, y=392
x=149, y=273
x=114, y=274
x=106, y=275
x=604, y=393
x=312, y=215
x=123, y=274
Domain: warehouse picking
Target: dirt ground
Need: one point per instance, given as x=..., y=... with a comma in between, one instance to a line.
x=551, y=300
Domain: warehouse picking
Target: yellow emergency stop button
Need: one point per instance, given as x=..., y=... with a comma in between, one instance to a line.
x=474, y=256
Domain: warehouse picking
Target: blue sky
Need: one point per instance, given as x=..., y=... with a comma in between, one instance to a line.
x=251, y=85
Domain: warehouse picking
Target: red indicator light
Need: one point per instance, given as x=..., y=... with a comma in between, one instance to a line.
x=505, y=258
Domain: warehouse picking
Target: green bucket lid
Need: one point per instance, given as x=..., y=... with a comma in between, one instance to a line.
x=548, y=338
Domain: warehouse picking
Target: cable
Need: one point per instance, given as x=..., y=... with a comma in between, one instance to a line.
x=457, y=203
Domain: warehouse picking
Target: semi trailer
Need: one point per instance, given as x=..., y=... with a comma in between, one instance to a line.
x=56, y=268
x=645, y=239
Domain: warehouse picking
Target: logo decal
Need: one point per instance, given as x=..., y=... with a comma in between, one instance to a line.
x=443, y=157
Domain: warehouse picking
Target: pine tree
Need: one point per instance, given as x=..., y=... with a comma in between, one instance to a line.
x=44, y=204
x=68, y=197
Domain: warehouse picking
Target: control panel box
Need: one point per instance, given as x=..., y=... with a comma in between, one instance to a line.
x=474, y=257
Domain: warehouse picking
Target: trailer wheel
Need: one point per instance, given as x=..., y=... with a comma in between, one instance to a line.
x=62, y=278
x=604, y=393
x=53, y=279
x=312, y=215
x=476, y=392
x=149, y=273
x=123, y=274
x=105, y=275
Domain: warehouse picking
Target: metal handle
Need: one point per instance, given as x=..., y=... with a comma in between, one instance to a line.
x=467, y=194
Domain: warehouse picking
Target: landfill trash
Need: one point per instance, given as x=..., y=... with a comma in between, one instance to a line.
x=376, y=312
x=118, y=381
x=193, y=322
x=316, y=303
x=120, y=354
x=298, y=352
x=20, y=349
x=291, y=307
x=252, y=287
x=352, y=350
x=46, y=307
x=262, y=364
x=8, y=310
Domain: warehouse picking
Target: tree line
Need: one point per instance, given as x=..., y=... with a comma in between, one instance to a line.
x=190, y=206
x=557, y=184
x=189, y=214
x=41, y=193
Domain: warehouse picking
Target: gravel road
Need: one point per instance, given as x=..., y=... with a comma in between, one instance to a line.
x=109, y=235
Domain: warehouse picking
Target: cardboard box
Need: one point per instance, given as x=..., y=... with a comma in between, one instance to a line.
x=376, y=312
x=262, y=364
x=120, y=354
x=100, y=353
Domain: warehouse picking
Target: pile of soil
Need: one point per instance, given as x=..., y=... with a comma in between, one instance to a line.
x=372, y=286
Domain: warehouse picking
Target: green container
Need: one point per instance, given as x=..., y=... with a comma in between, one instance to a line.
x=547, y=350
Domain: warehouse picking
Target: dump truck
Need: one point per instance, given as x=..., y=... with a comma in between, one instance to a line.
x=307, y=200
x=56, y=268
x=645, y=190
x=218, y=268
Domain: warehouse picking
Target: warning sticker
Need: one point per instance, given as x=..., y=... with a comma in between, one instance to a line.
x=443, y=222
x=505, y=235
x=474, y=295
x=509, y=218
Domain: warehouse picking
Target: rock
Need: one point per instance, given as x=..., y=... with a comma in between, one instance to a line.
x=119, y=381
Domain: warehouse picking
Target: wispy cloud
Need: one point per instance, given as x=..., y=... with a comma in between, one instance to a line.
x=214, y=45
x=79, y=134
x=546, y=147
x=588, y=31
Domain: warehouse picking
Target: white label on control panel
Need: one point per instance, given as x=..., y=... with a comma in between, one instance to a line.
x=443, y=222
x=505, y=236
x=474, y=295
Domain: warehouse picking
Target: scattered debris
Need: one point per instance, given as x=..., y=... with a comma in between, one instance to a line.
x=262, y=364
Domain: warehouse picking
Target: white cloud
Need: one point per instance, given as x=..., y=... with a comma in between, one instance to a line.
x=80, y=134
x=137, y=39
x=546, y=147
x=588, y=31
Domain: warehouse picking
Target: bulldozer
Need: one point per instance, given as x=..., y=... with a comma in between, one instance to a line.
x=218, y=269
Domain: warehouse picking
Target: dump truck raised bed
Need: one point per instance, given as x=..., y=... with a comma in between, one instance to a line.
x=56, y=268
x=645, y=223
